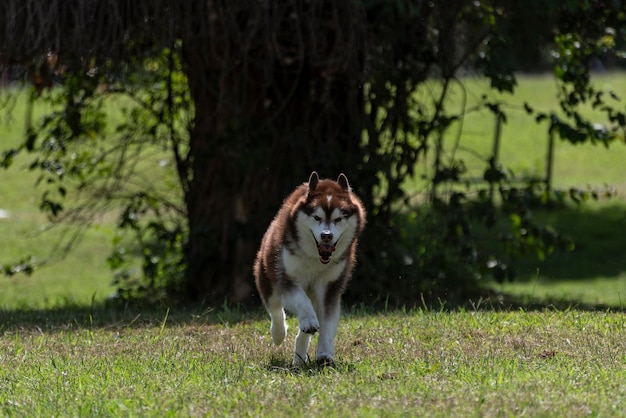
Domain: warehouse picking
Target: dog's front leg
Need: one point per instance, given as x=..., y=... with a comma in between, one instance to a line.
x=296, y=301
x=300, y=354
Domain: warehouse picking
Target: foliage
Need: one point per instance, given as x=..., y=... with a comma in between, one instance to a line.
x=26, y=265
x=96, y=159
x=592, y=273
x=348, y=90
x=444, y=259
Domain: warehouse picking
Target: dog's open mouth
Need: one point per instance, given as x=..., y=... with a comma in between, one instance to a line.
x=325, y=251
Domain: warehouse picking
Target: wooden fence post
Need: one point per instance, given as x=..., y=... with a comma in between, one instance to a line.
x=496, y=151
x=549, y=163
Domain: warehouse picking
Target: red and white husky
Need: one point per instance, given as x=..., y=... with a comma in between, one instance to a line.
x=306, y=259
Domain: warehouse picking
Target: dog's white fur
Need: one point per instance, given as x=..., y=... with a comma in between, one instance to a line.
x=294, y=272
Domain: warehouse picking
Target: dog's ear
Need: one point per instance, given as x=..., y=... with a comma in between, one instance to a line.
x=313, y=180
x=343, y=182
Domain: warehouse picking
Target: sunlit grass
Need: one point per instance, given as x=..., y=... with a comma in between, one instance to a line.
x=413, y=363
x=524, y=143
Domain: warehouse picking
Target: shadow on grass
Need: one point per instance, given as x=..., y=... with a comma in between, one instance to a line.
x=498, y=301
x=283, y=365
x=599, y=235
x=104, y=317
x=67, y=318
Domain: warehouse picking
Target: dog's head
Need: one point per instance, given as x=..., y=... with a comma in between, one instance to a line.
x=332, y=216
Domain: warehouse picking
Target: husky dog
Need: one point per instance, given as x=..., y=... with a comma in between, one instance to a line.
x=306, y=259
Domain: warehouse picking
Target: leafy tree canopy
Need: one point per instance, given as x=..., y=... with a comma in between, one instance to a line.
x=245, y=98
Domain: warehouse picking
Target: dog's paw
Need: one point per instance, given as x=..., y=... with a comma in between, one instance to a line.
x=299, y=360
x=309, y=325
x=324, y=361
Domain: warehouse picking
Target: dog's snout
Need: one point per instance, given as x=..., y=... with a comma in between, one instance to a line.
x=327, y=236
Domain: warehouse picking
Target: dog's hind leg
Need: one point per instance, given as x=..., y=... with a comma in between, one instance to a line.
x=278, y=328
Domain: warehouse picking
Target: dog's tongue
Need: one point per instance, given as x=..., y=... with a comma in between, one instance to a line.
x=325, y=251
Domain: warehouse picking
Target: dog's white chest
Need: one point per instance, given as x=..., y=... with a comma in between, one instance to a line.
x=307, y=270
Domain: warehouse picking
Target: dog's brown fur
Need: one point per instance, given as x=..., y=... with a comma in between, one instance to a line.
x=306, y=258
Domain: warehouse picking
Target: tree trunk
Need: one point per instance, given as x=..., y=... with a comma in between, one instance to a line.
x=220, y=244
x=263, y=120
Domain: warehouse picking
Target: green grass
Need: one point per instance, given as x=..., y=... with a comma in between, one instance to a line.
x=80, y=276
x=524, y=142
x=416, y=363
x=594, y=273
x=61, y=353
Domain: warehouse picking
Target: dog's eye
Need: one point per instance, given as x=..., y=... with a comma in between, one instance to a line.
x=338, y=220
x=317, y=218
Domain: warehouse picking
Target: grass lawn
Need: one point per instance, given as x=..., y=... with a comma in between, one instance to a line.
x=595, y=272
x=524, y=143
x=81, y=276
x=61, y=353
x=417, y=363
